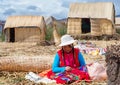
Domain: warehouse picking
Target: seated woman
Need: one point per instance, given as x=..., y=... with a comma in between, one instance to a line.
x=69, y=64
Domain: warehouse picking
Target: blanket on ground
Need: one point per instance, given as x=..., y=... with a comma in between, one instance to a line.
x=95, y=72
x=68, y=76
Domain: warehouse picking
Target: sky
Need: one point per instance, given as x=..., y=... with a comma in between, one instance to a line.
x=56, y=8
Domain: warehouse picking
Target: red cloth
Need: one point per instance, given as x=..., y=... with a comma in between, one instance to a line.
x=82, y=75
x=68, y=77
x=70, y=59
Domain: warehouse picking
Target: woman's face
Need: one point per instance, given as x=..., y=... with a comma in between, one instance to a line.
x=67, y=48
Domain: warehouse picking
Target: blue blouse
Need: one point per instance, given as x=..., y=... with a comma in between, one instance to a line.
x=56, y=68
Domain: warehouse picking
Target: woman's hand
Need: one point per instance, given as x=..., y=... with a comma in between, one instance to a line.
x=68, y=68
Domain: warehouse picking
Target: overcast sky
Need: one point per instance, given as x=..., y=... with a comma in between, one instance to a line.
x=56, y=8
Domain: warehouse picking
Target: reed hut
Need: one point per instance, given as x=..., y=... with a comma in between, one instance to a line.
x=25, y=29
x=91, y=18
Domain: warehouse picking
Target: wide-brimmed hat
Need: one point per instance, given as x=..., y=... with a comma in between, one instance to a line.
x=66, y=40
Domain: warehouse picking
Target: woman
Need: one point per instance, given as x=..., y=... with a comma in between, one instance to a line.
x=68, y=57
x=69, y=63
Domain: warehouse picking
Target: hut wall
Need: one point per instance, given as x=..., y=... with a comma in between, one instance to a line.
x=101, y=27
x=74, y=26
x=98, y=27
x=7, y=33
x=107, y=27
x=27, y=34
x=95, y=27
x=43, y=29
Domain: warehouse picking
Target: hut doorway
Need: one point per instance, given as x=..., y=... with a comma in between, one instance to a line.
x=12, y=34
x=86, y=25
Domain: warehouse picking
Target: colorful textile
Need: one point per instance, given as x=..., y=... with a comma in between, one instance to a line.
x=68, y=76
x=83, y=68
x=38, y=79
x=44, y=73
x=89, y=48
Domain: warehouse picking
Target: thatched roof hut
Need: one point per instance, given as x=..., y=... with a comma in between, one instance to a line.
x=25, y=28
x=93, y=18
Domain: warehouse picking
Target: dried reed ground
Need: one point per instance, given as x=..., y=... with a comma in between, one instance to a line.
x=32, y=49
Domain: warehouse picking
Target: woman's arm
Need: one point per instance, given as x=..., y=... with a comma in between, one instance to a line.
x=81, y=60
x=55, y=66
